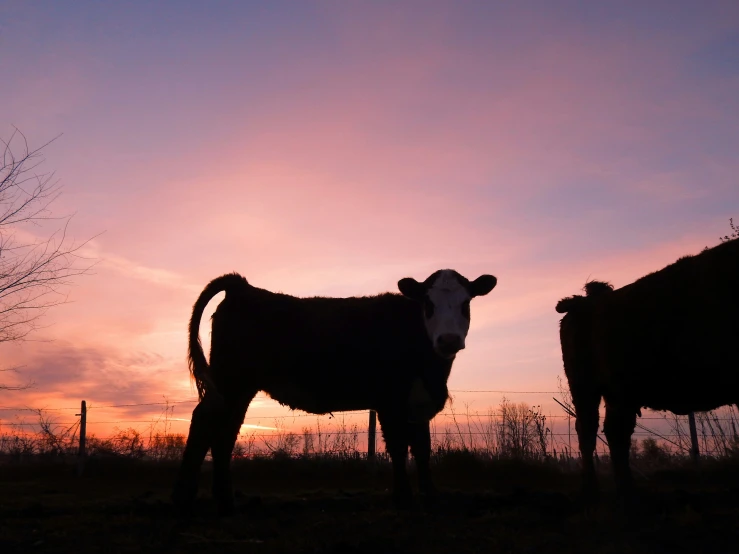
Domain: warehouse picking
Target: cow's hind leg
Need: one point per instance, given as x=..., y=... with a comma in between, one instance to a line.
x=224, y=438
x=587, y=419
x=420, y=439
x=394, y=431
x=618, y=428
x=198, y=442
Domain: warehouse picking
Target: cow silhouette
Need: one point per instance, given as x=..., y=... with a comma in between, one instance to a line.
x=391, y=353
x=668, y=341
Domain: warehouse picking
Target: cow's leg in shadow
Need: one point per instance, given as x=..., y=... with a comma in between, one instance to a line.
x=618, y=427
x=224, y=438
x=394, y=431
x=198, y=442
x=420, y=439
x=587, y=403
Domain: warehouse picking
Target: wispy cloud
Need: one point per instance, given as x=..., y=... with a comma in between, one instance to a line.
x=129, y=268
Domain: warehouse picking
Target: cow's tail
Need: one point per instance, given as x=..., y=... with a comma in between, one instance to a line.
x=593, y=289
x=199, y=368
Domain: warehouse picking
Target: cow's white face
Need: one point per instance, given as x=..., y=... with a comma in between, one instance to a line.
x=446, y=297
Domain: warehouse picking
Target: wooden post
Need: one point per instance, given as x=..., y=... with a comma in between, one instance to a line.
x=694, y=452
x=371, y=435
x=83, y=430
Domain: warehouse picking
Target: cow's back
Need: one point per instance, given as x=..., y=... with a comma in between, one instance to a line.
x=321, y=354
x=671, y=337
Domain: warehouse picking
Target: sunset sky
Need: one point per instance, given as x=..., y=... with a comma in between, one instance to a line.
x=332, y=148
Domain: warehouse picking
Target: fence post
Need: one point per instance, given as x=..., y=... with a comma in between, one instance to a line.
x=371, y=435
x=83, y=430
x=694, y=452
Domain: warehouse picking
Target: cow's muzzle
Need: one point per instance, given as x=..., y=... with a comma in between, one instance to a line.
x=448, y=344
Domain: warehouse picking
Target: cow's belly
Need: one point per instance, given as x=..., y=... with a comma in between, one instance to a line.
x=322, y=379
x=682, y=392
x=318, y=392
x=689, y=396
x=312, y=400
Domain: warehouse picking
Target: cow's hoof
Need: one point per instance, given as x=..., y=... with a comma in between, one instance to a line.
x=226, y=507
x=628, y=502
x=183, y=509
x=589, y=495
x=403, y=500
x=430, y=499
x=183, y=501
x=429, y=494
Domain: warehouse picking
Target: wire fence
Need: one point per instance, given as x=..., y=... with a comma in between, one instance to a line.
x=194, y=400
x=510, y=426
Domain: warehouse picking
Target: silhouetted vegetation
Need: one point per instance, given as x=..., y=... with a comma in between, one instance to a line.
x=316, y=491
x=333, y=504
x=513, y=431
x=734, y=232
x=37, y=259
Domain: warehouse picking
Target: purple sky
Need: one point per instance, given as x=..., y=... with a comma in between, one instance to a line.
x=332, y=148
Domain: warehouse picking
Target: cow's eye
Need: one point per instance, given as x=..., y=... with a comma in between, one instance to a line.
x=428, y=308
x=466, y=309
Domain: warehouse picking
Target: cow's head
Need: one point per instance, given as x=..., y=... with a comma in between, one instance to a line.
x=445, y=297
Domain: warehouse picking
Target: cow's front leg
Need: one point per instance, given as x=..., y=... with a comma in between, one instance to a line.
x=420, y=439
x=618, y=427
x=396, y=443
x=587, y=417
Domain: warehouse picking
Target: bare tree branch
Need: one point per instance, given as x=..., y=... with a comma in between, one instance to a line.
x=35, y=266
x=28, y=385
x=734, y=232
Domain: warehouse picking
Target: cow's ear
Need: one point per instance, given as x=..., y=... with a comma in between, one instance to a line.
x=410, y=288
x=482, y=285
x=571, y=304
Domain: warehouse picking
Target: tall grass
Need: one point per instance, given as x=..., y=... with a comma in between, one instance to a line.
x=512, y=431
x=515, y=430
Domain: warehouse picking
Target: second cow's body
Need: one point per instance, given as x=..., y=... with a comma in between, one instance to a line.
x=668, y=341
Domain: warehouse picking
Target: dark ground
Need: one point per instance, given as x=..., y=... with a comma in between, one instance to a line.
x=312, y=507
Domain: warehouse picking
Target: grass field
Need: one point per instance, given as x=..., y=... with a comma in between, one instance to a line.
x=333, y=505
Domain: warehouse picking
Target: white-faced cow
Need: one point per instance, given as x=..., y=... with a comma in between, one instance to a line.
x=391, y=353
x=668, y=341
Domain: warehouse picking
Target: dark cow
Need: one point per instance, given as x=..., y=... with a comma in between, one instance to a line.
x=668, y=341
x=391, y=353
